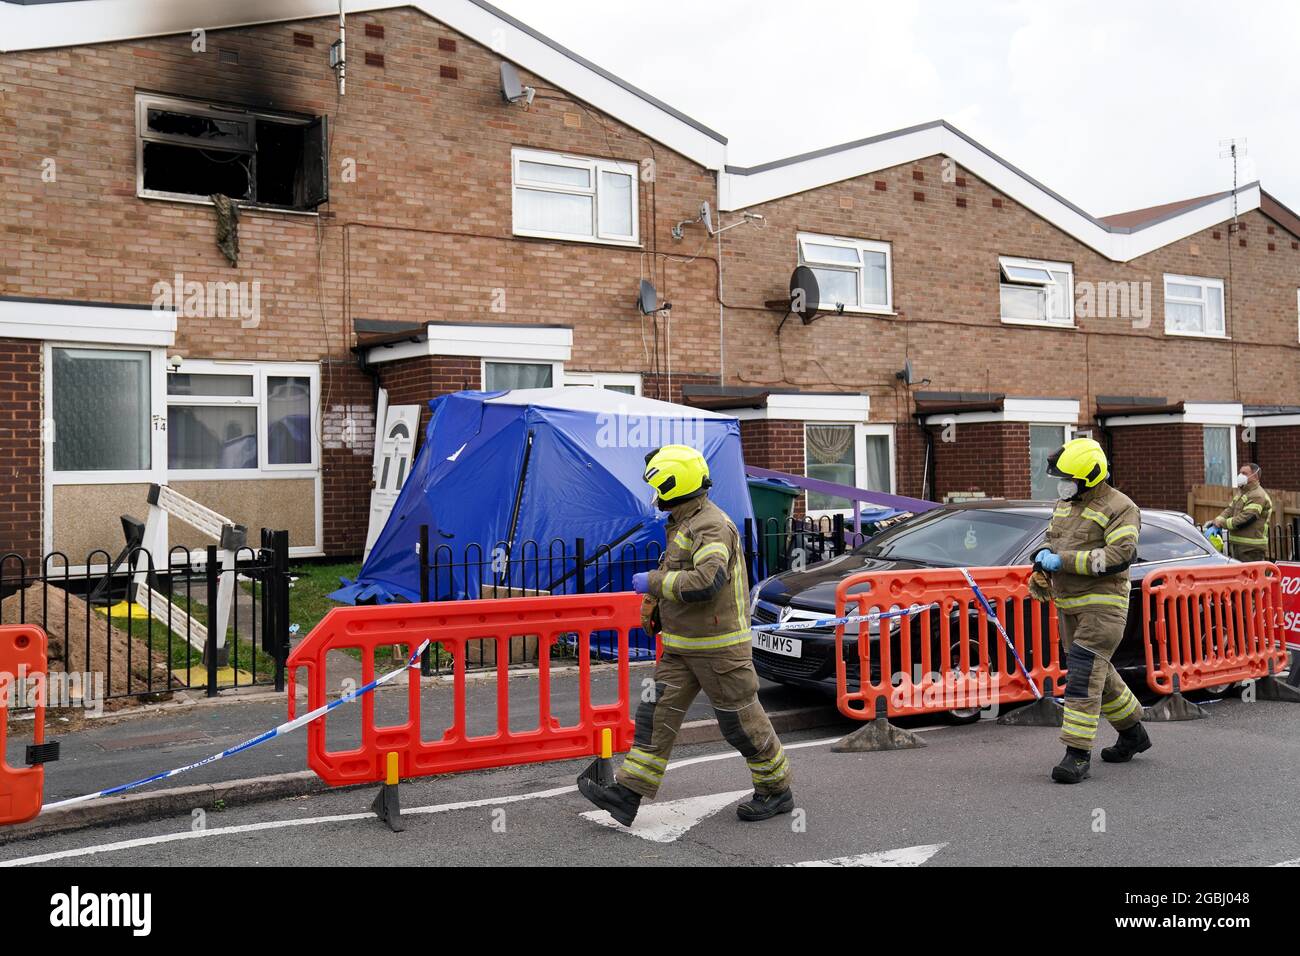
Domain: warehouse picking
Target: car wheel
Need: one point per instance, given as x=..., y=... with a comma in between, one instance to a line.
x=964, y=715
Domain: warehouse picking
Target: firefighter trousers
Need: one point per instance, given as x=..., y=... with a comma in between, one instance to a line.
x=1094, y=688
x=728, y=679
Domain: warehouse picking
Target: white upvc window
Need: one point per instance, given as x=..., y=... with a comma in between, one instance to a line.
x=1194, y=306
x=101, y=424
x=1220, y=443
x=1043, y=441
x=1036, y=292
x=847, y=453
x=558, y=196
x=627, y=382
x=241, y=419
x=854, y=273
x=499, y=376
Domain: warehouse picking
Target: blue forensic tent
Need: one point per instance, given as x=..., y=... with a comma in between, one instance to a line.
x=533, y=467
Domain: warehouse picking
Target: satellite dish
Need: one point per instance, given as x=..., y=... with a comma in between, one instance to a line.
x=647, y=299
x=512, y=88
x=905, y=374
x=805, y=296
x=706, y=217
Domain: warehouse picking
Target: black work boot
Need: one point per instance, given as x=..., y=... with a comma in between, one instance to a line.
x=621, y=802
x=1132, y=741
x=763, y=806
x=1073, y=766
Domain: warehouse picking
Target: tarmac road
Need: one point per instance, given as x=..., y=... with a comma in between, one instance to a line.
x=1220, y=792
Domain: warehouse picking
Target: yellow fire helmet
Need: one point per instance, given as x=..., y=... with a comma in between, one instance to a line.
x=1081, y=459
x=676, y=472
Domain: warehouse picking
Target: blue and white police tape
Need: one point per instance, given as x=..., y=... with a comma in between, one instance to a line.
x=802, y=625
x=1011, y=645
x=279, y=731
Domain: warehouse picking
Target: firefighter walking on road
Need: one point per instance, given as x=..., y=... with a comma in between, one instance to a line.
x=1247, y=517
x=1091, y=541
x=697, y=600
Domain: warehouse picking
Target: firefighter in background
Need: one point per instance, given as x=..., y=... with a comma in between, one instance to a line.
x=697, y=600
x=1091, y=541
x=1247, y=517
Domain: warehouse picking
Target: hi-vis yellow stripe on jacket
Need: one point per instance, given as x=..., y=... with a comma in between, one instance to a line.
x=1096, y=537
x=1247, y=517
x=701, y=584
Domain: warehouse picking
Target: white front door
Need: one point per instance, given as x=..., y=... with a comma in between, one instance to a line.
x=395, y=450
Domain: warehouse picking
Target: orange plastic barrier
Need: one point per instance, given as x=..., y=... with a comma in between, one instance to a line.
x=453, y=624
x=950, y=657
x=22, y=654
x=1209, y=626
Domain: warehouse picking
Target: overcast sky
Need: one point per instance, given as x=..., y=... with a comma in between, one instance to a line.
x=1116, y=105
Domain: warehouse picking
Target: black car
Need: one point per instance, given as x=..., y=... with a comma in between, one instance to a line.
x=974, y=534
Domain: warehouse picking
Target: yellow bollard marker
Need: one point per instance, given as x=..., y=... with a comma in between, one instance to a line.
x=606, y=744
x=388, y=804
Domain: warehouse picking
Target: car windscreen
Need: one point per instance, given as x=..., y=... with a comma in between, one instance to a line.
x=977, y=537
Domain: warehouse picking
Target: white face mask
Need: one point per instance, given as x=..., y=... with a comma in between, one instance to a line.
x=1240, y=481
x=1066, y=489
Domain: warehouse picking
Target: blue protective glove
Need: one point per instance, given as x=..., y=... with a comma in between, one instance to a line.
x=1212, y=531
x=641, y=582
x=1048, y=560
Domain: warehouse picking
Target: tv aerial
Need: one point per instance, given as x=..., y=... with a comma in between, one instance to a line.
x=705, y=218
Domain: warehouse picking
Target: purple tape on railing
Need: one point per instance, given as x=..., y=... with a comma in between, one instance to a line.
x=902, y=503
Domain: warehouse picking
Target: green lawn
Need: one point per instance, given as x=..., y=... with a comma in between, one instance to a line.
x=307, y=598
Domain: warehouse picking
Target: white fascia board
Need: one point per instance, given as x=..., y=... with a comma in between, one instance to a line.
x=1194, y=413
x=95, y=324
x=741, y=190
x=1272, y=421
x=1037, y=411
x=42, y=26
x=502, y=342
x=1213, y=413
x=809, y=408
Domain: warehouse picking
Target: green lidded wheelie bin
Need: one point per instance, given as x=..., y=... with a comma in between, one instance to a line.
x=773, y=501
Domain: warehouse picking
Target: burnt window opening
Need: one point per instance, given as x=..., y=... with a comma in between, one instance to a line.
x=191, y=150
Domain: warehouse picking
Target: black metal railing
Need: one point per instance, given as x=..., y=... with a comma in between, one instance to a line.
x=1284, y=541
x=133, y=627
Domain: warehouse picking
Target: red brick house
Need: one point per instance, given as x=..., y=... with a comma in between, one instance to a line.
x=418, y=234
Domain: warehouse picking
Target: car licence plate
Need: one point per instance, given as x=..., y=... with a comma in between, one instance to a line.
x=778, y=644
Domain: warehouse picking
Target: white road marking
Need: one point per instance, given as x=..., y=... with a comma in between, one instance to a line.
x=904, y=856
x=1295, y=862
x=348, y=817
x=665, y=822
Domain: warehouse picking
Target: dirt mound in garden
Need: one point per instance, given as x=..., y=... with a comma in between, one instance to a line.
x=105, y=648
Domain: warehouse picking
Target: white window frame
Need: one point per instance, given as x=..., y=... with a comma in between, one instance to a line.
x=595, y=168
x=859, y=246
x=557, y=369
x=604, y=379
x=1232, y=451
x=144, y=101
x=1014, y=262
x=860, y=433
x=1205, y=283
x=157, y=469
x=260, y=372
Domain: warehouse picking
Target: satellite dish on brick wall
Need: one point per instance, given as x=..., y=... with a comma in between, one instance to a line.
x=647, y=300
x=512, y=88
x=906, y=375
x=805, y=295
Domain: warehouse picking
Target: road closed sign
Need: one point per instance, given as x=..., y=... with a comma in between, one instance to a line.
x=1291, y=602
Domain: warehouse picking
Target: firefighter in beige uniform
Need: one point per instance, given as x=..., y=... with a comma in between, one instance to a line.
x=1247, y=517
x=1091, y=541
x=698, y=601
